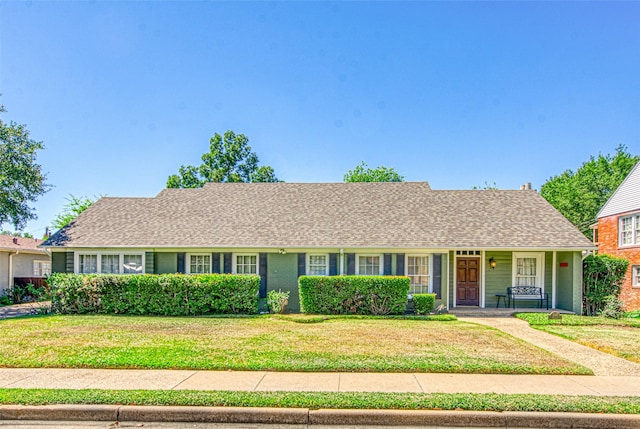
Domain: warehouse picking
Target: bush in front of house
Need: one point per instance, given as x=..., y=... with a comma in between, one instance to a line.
x=423, y=303
x=603, y=276
x=375, y=295
x=277, y=301
x=154, y=294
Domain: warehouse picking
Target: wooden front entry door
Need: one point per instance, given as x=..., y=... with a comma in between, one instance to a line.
x=467, y=281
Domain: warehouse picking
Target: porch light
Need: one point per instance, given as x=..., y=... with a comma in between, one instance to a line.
x=282, y=252
x=492, y=263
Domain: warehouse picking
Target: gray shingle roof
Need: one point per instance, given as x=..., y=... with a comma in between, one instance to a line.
x=324, y=215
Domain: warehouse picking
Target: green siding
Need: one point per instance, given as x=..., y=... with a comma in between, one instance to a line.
x=577, y=282
x=149, y=263
x=548, y=274
x=59, y=262
x=445, y=282
x=166, y=262
x=569, y=285
x=282, y=274
x=499, y=279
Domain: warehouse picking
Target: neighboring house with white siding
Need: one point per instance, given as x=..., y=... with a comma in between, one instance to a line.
x=618, y=234
x=465, y=246
x=21, y=258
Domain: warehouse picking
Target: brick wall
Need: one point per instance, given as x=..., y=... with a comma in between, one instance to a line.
x=608, y=243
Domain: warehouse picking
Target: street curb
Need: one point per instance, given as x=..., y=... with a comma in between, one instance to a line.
x=59, y=412
x=213, y=414
x=303, y=416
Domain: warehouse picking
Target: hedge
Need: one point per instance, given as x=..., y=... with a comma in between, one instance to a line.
x=353, y=294
x=152, y=294
x=423, y=303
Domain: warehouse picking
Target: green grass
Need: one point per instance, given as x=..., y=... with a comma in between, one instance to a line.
x=329, y=400
x=619, y=337
x=281, y=343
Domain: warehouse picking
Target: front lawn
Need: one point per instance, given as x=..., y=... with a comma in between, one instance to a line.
x=619, y=337
x=271, y=343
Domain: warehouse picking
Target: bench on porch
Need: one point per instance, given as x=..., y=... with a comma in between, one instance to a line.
x=527, y=293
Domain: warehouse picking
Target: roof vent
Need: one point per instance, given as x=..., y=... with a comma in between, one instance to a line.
x=15, y=240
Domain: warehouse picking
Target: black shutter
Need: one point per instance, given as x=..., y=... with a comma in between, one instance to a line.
x=351, y=264
x=302, y=260
x=400, y=264
x=181, y=257
x=263, y=275
x=437, y=275
x=333, y=264
x=228, y=263
x=216, y=262
x=386, y=265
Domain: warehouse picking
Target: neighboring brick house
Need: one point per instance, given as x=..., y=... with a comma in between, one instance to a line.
x=21, y=258
x=618, y=234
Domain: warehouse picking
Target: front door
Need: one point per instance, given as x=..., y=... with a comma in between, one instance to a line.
x=282, y=274
x=467, y=281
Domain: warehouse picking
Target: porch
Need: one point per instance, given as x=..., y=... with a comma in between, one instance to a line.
x=462, y=311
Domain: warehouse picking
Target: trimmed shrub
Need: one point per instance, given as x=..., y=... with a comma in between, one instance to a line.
x=152, y=294
x=375, y=295
x=603, y=276
x=277, y=301
x=423, y=302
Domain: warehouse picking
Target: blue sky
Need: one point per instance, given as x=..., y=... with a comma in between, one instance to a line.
x=453, y=93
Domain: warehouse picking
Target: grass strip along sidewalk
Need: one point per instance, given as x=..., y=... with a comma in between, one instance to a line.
x=312, y=400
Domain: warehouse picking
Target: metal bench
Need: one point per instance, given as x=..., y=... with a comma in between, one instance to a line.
x=527, y=293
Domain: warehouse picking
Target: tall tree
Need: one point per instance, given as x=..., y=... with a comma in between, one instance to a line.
x=21, y=178
x=71, y=210
x=580, y=195
x=229, y=159
x=363, y=173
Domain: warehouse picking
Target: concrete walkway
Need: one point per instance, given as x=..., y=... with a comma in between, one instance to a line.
x=265, y=381
x=17, y=310
x=602, y=364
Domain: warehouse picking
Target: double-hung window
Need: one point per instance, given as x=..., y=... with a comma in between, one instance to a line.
x=527, y=269
x=87, y=264
x=629, y=227
x=246, y=264
x=635, y=276
x=109, y=263
x=369, y=265
x=199, y=264
x=418, y=272
x=317, y=265
x=41, y=268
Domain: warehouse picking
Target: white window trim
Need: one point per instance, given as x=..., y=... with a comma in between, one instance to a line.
x=187, y=263
x=430, y=276
x=363, y=255
x=76, y=260
x=635, y=271
x=234, y=258
x=539, y=266
x=308, y=264
x=634, y=230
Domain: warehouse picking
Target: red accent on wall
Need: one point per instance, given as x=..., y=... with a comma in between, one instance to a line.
x=564, y=264
x=608, y=244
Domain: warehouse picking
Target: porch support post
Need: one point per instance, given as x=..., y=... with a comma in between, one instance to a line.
x=483, y=279
x=554, y=278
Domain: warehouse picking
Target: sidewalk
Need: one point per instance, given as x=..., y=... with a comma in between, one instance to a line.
x=265, y=381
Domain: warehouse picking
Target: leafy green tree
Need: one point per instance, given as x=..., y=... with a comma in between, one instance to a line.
x=363, y=173
x=17, y=234
x=579, y=195
x=229, y=159
x=21, y=178
x=71, y=210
